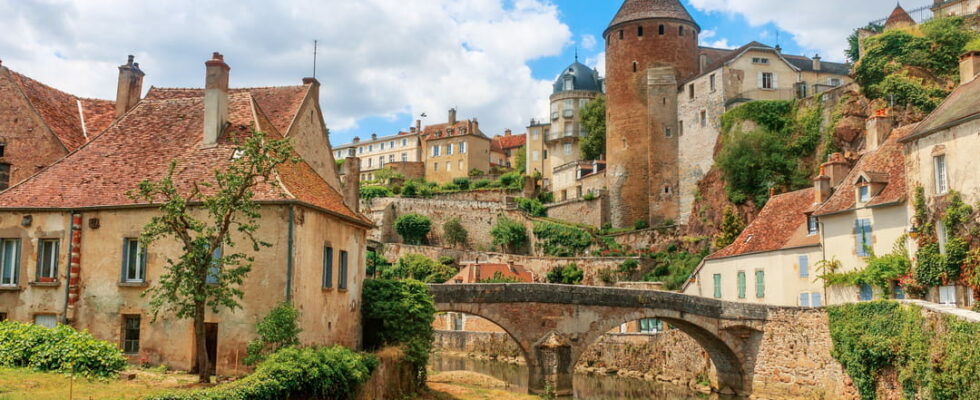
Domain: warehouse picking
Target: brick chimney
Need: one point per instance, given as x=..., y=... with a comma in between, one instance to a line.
x=816, y=63
x=507, y=132
x=215, y=98
x=314, y=86
x=969, y=67
x=452, y=116
x=822, y=187
x=418, y=125
x=129, y=88
x=352, y=183
x=879, y=126
x=703, y=63
x=357, y=139
x=836, y=168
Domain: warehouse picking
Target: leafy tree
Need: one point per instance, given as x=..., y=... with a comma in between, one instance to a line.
x=277, y=330
x=509, y=234
x=512, y=180
x=373, y=192
x=413, y=228
x=531, y=206
x=420, y=268
x=520, y=159
x=375, y=263
x=399, y=312
x=385, y=174
x=732, y=225
x=454, y=233
x=569, y=274
x=853, y=51
x=593, y=117
x=463, y=183
x=228, y=206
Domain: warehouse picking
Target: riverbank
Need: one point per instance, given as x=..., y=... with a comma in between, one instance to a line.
x=466, y=385
x=26, y=384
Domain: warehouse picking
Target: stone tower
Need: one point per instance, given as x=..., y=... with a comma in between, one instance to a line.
x=651, y=45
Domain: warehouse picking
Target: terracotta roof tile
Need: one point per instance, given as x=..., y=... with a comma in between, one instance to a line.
x=887, y=161
x=510, y=142
x=776, y=227
x=899, y=16
x=634, y=10
x=962, y=105
x=475, y=273
x=280, y=103
x=60, y=111
x=445, y=130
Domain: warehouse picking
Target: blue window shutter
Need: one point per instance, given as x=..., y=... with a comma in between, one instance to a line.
x=328, y=267
x=858, y=243
x=142, y=266
x=760, y=284
x=867, y=235
x=125, y=260
x=804, y=299
x=817, y=302
x=804, y=267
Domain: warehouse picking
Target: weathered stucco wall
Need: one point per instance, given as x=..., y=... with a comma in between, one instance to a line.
x=580, y=211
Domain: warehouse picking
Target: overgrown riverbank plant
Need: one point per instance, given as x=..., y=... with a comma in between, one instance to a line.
x=60, y=349
x=400, y=313
x=208, y=274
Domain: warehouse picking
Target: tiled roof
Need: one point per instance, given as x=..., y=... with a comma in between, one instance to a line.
x=60, y=111
x=719, y=57
x=634, y=10
x=475, y=273
x=445, y=130
x=806, y=64
x=280, y=103
x=776, y=227
x=899, y=16
x=141, y=146
x=510, y=142
x=961, y=106
x=714, y=54
x=889, y=159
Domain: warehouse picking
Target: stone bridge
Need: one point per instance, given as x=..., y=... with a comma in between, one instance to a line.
x=555, y=324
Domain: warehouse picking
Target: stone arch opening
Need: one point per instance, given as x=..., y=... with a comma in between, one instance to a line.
x=477, y=336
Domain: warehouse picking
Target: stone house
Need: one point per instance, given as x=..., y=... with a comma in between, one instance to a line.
x=401, y=152
x=69, y=233
x=452, y=149
x=962, y=8
x=753, y=72
x=507, y=146
x=574, y=88
x=941, y=158
x=537, y=150
x=41, y=124
x=771, y=262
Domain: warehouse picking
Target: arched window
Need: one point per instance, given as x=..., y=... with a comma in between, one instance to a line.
x=639, y=31
x=680, y=30
x=663, y=29
x=620, y=34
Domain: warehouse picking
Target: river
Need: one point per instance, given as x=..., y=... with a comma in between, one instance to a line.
x=586, y=386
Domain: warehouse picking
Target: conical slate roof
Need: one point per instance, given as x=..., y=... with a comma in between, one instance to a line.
x=635, y=10
x=899, y=17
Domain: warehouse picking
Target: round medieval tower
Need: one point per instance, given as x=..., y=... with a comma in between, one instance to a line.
x=651, y=46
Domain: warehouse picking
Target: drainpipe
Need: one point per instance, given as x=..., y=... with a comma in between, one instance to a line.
x=74, y=235
x=823, y=250
x=289, y=254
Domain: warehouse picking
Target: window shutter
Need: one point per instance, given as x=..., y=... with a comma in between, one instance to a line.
x=125, y=258
x=867, y=234
x=40, y=256
x=804, y=267
x=758, y=81
x=760, y=281
x=804, y=299
x=741, y=284
x=775, y=80
x=857, y=237
x=143, y=257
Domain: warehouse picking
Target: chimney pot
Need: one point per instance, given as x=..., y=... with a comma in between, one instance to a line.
x=129, y=87
x=215, y=98
x=969, y=67
x=452, y=116
x=816, y=63
x=310, y=81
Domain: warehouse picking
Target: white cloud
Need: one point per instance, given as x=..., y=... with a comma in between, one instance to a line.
x=705, y=40
x=821, y=26
x=598, y=62
x=377, y=58
x=588, y=42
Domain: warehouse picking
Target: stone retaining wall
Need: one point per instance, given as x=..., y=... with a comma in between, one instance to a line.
x=394, y=378
x=477, y=217
x=580, y=211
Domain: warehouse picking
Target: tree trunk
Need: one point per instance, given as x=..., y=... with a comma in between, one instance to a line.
x=203, y=363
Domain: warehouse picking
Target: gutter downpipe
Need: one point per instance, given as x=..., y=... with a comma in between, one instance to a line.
x=71, y=248
x=289, y=255
x=823, y=251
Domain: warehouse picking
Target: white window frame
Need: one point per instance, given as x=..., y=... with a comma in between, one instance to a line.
x=13, y=266
x=767, y=77
x=139, y=259
x=940, y=174
x=47, y=258
x=462, y=147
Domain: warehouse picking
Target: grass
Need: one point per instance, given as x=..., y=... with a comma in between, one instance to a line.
x=26, y=384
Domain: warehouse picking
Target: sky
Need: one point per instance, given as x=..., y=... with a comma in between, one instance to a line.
x=383, y=63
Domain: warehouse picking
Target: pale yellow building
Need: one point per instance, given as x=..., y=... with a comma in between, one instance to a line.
x=537, y=151
x=575, y=87
x=382, y=151
x=453, y=149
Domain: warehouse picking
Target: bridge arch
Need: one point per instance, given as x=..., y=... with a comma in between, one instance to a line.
x=468, y=309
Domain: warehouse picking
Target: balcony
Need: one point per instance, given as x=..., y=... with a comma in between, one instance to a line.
x=568, y=113
x=554, y=116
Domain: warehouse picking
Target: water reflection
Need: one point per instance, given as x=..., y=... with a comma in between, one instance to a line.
x=587, y=387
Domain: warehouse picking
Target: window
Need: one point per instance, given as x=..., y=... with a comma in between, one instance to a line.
x=804, y=266
x=635, y=66
x=834, y=82
x=815, y=300
x=680, y=128
x=3, y=146
x=391, y=144
x=567, y=147
x=862, y=235
x=639, y=31
x=435, y=166
x=462, y=148
x=704, y=118
x=811, y=225
x=766, y=80
x=534, y=135
x=391, y=158
x=947, y=295
x=342, y=273
x=864, y=194
x=4, y=176
x=865, y=292
x=760, y=284
x=449, y=149
x=711, y=82
x=47, y=259
x=382, y=146
x=690, y=91
x=662, y=30
x=651, y=325
x=449, y=165
x=667, y=132
x=760, y=60
x=131, y=334
x=214, y=271
x=741, y=284
x=544, y=154
x=381, y=162
x=802, y=90
x=717, y=278
x=46, y=320
x=134, y=261
x=534, y=155
x=436, y=150
x=360, y=150
x=404, y=142
x=327, y=267
x=460, y=164
x=370, y=162
x=9, y=262
x=569, y=83
x=941, y=237
x=680, y=30
x=804, y=299
x=621, y=34
x=404, y=157
x=370, y=148
x=942, y=179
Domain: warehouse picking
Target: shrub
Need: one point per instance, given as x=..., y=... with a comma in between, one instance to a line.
x=449, y=187
x=569, y=274
x=512, y=180
x=420, y=268
x=629, y=266
x=375, y=263
x=561, y=240
x=277, y=330
x=476, y=172
x=673, y=266
x=454, y=233
x=373, y=192
x=59, y=349
x=546, y=197
x=509, y=234
x=399, y=313
x=325, y=372
x=462, y=183
x=640, y=224
x=481, y=183
x=732, y=225
x=413, y=228
x=589, y=196
x=531, y=206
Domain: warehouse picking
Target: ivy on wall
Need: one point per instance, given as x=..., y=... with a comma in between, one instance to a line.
x=559, y=240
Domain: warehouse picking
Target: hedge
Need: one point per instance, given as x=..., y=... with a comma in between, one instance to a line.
x=59, y=349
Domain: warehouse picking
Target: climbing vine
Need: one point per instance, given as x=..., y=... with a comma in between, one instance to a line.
x=956, y=260
x=559, y=240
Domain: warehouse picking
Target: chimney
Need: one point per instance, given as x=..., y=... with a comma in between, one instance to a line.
x=352, y=184
x=357, y=139
x=969, y=67
x=314, y=86
x=836, y=168
x=374, y=136
x=822, y=188
x=507, y=132
x=779, y=49
x=816, y=63
x=879, y=126
x=418, y=125
x=129, y=88
x=215, y=98
x=452, y=116
x=703, y=59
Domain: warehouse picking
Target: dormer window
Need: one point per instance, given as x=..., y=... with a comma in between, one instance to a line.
x=569, y=83
x=864, y=194
x=811, y=225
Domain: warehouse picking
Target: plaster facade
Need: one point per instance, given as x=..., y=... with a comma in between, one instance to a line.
x=537, y=151
x=784, y=283
x=468, y=152
x=379, y=152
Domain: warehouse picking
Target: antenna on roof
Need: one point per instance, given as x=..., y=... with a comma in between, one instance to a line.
x=576, y=53
x=314, y=58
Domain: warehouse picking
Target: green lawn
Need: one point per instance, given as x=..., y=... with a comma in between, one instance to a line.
x=26, y=384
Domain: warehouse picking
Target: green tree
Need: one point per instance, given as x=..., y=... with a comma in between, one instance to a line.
x=732, y=225
x=509, y=234
x=853, y=51
x=201, y=278
x=420, y=268
x=413, y=228
x=593, y=117
x=399, y=312
x=454, y=233
x=277, y=330
x=520, y=159
x=570, y=274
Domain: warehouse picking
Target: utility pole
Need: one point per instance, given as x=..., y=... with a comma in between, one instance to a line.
x=314, y=59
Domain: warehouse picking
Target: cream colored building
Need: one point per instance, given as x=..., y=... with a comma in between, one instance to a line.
x=771, y=262
x=942, y=157
x=453, y=149
x=575, y=87
x=731, y=77
x=537, y=150
x=378, y=152
x=962, y=8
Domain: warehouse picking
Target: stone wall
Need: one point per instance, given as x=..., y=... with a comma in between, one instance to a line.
x=580, y=211
x=492, y=195
x=539, y=266
x=645, y=238
x=394, y=378
x=483, y=344
x=477, y=217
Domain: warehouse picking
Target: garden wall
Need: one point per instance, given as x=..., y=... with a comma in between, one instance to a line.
x=580, y=211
